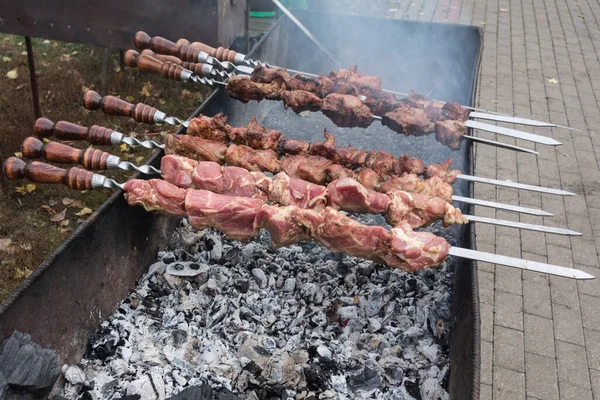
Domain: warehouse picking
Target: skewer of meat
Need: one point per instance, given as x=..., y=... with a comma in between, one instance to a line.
x=242, y=218
x=144, y=113
x=344, y=110
x=230, y=60
x=347, y=194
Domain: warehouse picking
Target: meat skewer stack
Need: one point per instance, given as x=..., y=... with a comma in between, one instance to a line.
x=242, y=218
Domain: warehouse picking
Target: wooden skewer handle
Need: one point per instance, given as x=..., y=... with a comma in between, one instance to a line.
x=134, y=59
x=33, y=148
x=64, y=130
x=113, y=105
x=150, y=64
x=75, y=178
x=185, y=52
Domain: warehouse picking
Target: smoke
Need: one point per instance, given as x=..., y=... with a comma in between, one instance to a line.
x=408, y=55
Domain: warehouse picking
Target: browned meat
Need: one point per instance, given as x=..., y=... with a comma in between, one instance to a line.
x=347, y=111
x=291, y=146
x=252, y=160
x=211, y=128
x=442, y=171
x=368, y=178
x=450, y=133
x=310, y=168
x=380, y=161
x=195, y=148
x=320, y=86
x=301, y=100
x=380, y=102
x=244, y=90
x=405, y=164
x=455, y=111
x=256, y=136
x=356, y=79
x=409, y=121
x=346, y=156
x=264, y=74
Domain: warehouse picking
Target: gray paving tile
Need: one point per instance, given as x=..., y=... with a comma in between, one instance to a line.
x=541, y=377
x=536, y=299
x=590, y=310
x=564, y=291
x=487, y=360
x=539, y=335
x=509, y=349
x=568, y=326
x=572, y=364
x=592, y=345
x=508, y=310
x=571, y=392
x=508, y=384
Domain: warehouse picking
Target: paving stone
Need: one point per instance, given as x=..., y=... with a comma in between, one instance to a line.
x=508, y=384
x=485, y=392
x=595, y=376
x=560, y=256
x=486, y=286
x=590, y=311
x=564, y=291
x=572, y=364
x=567, y=324
x=508, y=310
x=536, y=299
x=509, y=349
x=541, y=377
x=571, y=392
x=592, y=286
x=508, y=280
x=487, y=321
x=584, y=251
x=592, y=345
x=539, y=335
x=487, y=359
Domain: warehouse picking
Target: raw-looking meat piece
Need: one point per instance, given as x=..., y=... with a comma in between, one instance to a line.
x=179, y=170
x=232, y=215
x=297, y=192
x=281, y=223
x=412, y=183
x=311, y=168
x=156, y=195
x=368, y=178
x=442, y=171
x=450, y=133
x=196, y=148
x=349, y=195
x=420, y=210
x=347, y=111
x=241, y=182
x=253, y=160
x=409, y=121
x=416, y=250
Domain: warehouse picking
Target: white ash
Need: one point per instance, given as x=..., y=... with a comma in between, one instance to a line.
x=297, y=322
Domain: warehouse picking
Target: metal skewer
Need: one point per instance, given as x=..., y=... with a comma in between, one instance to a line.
x=144, y=113
x=81, y=179
x=230, y=60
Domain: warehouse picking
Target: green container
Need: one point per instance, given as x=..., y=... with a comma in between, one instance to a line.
x=297, y=4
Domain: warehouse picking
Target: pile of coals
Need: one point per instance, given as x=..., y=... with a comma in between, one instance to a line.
x=254, y=322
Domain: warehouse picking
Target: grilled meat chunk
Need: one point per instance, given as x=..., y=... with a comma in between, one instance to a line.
x=301, y=100
x=409, y=121
x=347, y=111
x=450, y=133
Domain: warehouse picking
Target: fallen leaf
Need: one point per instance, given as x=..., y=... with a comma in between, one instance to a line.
x=12, y=74
x=23, y=53
x=75, y=52
x=59, y=216
x=63, y=230
x=76, y=204
x=146, y=90
x=20, y=43
x=30, y=187
x=46, y=41
x=18, y=154
x=52, y=203
x=26, y=246
x=162, y=101
x=117, y=69
x=124, y=148
x=552, y=80
x=49, y=209
x=5, y=244
x=84, y=211
x=139, y=159
x=65, y=57
x=66, y=201
x=64, y=222
x=565, y=155
x=6, y=59
x=21, y=273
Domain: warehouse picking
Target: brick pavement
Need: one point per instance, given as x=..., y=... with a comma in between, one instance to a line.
x=540, y=335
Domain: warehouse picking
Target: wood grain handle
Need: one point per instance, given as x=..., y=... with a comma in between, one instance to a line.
x=113, y=105
x=151, y=64
x=162, y=57
x=64, y=130
x=38, y=172
x=220, y=53
x=161, y=45
x=33, y=148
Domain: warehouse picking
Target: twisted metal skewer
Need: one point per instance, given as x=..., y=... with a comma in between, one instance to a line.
x=148, y=144
x=144, y=169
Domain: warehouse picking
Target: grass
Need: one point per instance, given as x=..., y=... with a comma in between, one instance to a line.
x=64, y=71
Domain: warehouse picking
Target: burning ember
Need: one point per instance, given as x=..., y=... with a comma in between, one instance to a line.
x=290, y=323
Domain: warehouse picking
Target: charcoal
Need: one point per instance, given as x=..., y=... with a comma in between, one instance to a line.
x=26, y=369
x=265, y=323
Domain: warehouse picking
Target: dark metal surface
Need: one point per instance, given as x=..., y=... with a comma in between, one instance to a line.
x=33, y=78
x=112, y=23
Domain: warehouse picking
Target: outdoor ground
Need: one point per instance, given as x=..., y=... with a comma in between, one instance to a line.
x=35, y=219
